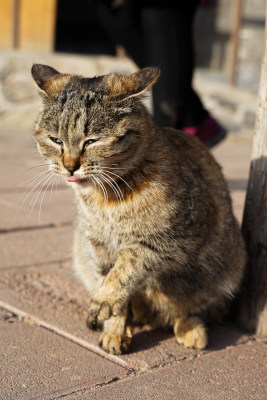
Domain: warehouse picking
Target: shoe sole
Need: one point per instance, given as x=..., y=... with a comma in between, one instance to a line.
x=216, y=138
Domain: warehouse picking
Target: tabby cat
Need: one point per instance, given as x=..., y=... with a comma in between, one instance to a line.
x=155, y=240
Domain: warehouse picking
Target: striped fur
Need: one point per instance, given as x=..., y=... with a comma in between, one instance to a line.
x=155, y=239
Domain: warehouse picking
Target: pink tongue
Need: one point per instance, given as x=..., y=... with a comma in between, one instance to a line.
x=73, y=179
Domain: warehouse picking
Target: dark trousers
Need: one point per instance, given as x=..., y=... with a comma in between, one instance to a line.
x=160, y=34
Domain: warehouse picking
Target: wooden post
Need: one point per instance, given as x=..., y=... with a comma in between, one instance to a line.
x=6, y=24
x=37, y=22
x=253, y=304
x=28, y=24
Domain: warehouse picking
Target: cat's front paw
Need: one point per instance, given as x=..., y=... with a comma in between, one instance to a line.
x=94, y=324
x=115, y=344
x=102, y=310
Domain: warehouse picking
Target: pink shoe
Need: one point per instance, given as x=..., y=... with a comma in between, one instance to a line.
x=209, y=131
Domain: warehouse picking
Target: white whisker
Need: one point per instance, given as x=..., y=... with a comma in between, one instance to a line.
x=58, y=179
x=111, y=185
x=36, y=195
x=102, y=187
x=112, y=173
x=93, y=181
x=37, y=166
x=51, y=178
x=96, y=183
x=52, y=187
x=119, y=168
x=118, y=189
x=37, y=184
x=35, y=178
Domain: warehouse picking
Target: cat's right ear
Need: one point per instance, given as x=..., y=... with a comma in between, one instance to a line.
x=121, y=87
x=48, y=79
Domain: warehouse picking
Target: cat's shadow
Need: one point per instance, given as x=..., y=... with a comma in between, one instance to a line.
x=220, y=337
x=147, y=339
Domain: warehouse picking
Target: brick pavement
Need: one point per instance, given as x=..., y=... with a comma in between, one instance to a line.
x=46, y=351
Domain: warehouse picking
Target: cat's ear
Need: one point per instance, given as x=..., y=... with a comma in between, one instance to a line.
x=120, y=87
x=48, y=79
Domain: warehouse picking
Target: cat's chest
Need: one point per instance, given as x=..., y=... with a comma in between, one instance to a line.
x=122, y=223
x=115, y=224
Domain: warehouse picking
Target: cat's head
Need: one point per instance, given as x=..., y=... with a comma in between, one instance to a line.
x=89, y=127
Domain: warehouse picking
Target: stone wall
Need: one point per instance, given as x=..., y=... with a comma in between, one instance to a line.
x=18, y=94
x=213, y=35
x=19, y=100
x=213, y=39
x=251, y=44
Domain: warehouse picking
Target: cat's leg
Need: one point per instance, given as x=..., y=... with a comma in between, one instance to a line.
x=117, y=335
x=191, y=332
x=122, y=281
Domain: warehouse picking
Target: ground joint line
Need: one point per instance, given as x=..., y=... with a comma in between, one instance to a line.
x=35, y=320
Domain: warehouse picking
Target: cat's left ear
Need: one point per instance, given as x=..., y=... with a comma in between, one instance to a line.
x=121, y=87
x=49, y=80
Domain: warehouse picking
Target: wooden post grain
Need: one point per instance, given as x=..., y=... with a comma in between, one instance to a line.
x=253, y=304
x=6, y=24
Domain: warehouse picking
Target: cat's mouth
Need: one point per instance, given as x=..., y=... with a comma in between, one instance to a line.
x=75, y=179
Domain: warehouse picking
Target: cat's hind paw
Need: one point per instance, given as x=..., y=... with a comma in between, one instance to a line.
x=191, y=332
x=115, y=344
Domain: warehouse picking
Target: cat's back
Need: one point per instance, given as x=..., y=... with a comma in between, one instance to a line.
x=189, y=157
x=194, y=182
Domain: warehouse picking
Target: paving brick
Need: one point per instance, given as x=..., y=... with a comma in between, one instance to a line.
x=35, y=246
x=237, y=373
x=234, y=155
x=16, y=177
x=156, y=348
x=55, y=209
x=51, y=293
x=235, y=166
x=37, y=364
x=17, y=154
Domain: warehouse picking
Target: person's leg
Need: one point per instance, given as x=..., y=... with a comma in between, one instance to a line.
x=123, y=25
x=158, y=34
x=168, y=41
x=189, y=112
x=188, y=108
x=147, y=33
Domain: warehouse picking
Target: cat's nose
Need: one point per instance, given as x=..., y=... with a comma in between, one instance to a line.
x=72, y=167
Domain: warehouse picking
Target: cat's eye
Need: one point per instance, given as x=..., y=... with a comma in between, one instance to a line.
x=87, y=143
x=56, y=140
